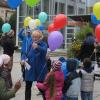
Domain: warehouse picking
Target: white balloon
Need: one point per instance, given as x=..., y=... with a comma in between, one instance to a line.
x=32, y=24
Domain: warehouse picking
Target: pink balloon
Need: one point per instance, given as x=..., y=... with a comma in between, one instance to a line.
x=55, y=40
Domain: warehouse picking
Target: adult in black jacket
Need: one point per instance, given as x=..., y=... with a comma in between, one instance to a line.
x=7, y=42
x=87, y=47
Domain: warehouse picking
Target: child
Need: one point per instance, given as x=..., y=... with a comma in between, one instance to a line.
x=5, y=77
x=53, y=83
x=87, y=82
x=72, y=82
x=5, y=72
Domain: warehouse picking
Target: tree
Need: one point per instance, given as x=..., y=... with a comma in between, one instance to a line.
x=13, y=21
x=1, y=23
x=83, y=31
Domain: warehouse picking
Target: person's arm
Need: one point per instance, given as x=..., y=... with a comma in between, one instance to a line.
x=4, y=93
x=7, y=94
x=20, y=34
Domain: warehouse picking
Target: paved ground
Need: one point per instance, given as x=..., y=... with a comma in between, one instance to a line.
x=16, y=75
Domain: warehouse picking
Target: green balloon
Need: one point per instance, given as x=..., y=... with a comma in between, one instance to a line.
x=31, y=3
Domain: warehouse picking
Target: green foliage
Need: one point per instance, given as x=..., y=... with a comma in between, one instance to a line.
x=74, y=49
x=1, y=23
x=83, y=31
x=13, y=21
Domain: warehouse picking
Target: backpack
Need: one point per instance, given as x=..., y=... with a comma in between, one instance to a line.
x=68, y=80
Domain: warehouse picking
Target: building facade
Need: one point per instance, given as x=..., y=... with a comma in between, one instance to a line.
x=52, y=8
x=5, y=11
x=89, y=5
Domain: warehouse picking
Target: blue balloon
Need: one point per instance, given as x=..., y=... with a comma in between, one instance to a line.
x=43, y=17
x=94, y=19
x=41, y=28
x=14, y=3
x=6, y=27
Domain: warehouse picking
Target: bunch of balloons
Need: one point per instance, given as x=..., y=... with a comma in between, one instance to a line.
x=36, y=23
x=15, y=3
x=55, y=38
x=59, y=22
x=96, y=19
x=96, y=10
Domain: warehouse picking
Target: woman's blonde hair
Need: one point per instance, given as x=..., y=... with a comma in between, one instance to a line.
x=40, y=33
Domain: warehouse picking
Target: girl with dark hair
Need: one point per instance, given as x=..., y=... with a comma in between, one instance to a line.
x=53, y=83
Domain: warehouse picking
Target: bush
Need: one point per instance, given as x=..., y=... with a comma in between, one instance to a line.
x=74, y=49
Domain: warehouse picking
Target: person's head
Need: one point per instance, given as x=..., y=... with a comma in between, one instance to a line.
x=71, y=65
x=5, y=61
x=28, y=31
x=87, y=63
x=37, y=36
x=89, y=34
x=62, y=59
x=11, y=33
x=56, y=66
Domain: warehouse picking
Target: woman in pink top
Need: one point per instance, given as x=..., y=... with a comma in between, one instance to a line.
x=53, y=83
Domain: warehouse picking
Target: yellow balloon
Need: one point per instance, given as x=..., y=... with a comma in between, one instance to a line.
x=26, y=21
x=96, y=10
x=37, y=22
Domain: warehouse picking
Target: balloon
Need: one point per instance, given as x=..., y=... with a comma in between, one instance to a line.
x=60, y=21
x=94, y=19
x=96, y=10
x=42, y=17
x=14, y=3
x=26, y=21
x=32, y=24
x=37, y=22
x=52, y=28
x=55, y=40
x=32, y=3
x=41, y=27
x=6, y=27
x=97, y=32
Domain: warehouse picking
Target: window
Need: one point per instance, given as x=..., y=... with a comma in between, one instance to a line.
x=70, y=30
x=70, y=9
x=69, y=35
x=81, y=11
x=61, y=8
x=56, y=8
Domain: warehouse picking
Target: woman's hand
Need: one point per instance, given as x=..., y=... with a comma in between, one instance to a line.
x=35, y=45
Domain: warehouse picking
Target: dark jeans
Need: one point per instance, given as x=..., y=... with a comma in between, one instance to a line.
x=28, y=90
x=86, y=95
